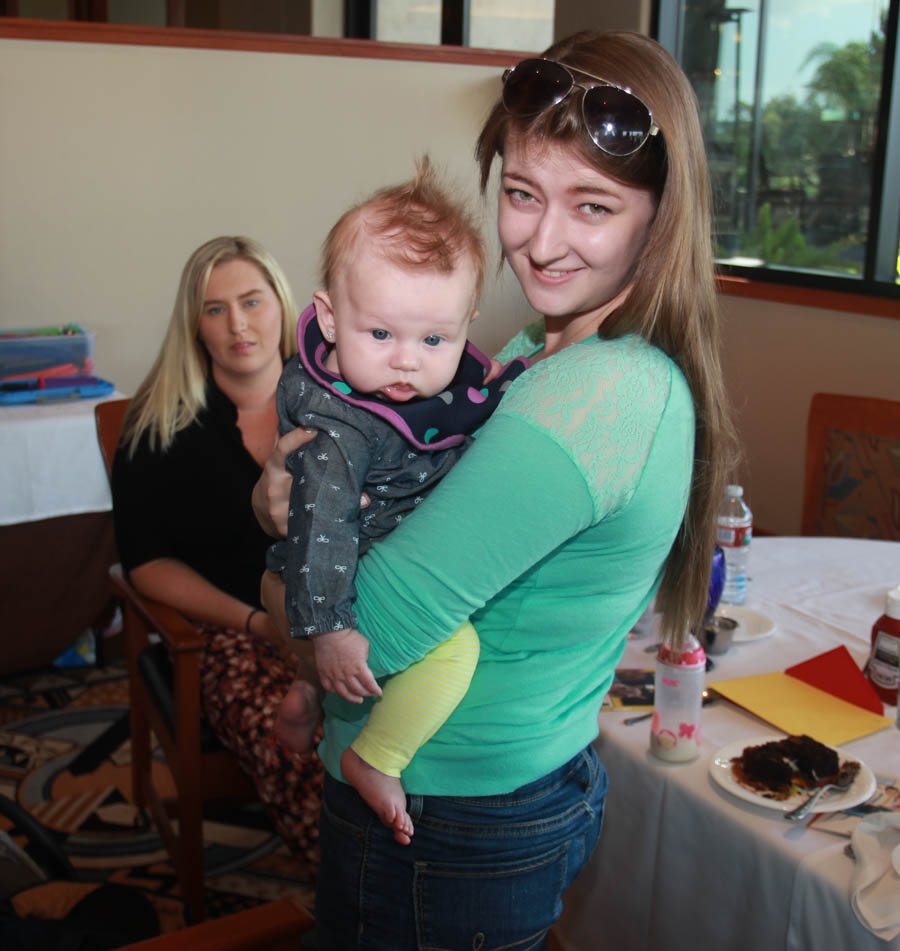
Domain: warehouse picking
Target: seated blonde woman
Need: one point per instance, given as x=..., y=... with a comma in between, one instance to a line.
x=197, y=431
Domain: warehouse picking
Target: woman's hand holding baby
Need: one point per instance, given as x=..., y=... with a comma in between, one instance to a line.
x=271, y=496
x=272, y=493
x=342, y=662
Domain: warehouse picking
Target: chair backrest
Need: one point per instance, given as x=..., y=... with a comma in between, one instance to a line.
x=852, y=483
x=109, y=417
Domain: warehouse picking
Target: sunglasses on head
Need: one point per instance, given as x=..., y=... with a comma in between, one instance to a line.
x=616, y=120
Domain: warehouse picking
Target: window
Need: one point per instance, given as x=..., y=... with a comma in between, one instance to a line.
x=802, y=132
x=489, y=24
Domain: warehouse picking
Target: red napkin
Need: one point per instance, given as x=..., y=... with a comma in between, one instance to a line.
x=836, y=673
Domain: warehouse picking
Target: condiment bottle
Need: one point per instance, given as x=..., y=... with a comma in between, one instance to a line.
x=883, y=668
x=678, y=698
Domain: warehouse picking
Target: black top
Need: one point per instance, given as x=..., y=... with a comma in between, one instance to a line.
x=192, y=502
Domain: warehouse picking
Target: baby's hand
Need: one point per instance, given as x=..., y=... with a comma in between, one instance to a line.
x=341, y=659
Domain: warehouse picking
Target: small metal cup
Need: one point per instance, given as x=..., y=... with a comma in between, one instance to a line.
x=717, y=634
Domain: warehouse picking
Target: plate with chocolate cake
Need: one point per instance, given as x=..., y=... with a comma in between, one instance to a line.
x=780, y=772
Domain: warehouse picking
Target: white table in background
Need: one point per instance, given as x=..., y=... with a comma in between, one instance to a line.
x=683, y=865
x=51, y=461
x=56, y=535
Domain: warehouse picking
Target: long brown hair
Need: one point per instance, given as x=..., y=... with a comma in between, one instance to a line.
x=673, y=302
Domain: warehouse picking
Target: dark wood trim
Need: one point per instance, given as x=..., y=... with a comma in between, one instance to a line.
x=275, y=925
x=358, y=18
x=91, y=10
x=810, y=297
x=453, y=23
x=176, y=13
x=74, y=32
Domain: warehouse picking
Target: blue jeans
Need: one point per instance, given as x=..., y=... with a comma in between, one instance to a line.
x=482, y=872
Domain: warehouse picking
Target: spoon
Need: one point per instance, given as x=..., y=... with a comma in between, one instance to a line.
x=843, y=782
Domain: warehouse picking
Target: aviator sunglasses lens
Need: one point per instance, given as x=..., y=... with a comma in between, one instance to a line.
x=618, y=122
x=535, y=85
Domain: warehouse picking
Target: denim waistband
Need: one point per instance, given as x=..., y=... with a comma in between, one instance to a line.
x=585, y=762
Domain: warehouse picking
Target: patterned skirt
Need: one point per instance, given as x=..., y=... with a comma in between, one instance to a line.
x=243, y=681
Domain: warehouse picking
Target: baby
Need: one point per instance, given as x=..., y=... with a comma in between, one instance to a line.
x=387, y=377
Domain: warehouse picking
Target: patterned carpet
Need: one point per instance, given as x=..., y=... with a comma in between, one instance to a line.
x=64, y=758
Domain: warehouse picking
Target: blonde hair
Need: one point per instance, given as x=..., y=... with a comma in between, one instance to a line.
x=417, y=225
x=673, y=302
x=174, y=391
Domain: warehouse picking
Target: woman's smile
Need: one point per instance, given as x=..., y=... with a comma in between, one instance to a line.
x=554, y=276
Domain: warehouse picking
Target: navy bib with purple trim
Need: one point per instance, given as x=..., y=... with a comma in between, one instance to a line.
x=436, y=422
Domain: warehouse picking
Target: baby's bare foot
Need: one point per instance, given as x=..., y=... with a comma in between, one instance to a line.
x=384, y=794
x=298, y=717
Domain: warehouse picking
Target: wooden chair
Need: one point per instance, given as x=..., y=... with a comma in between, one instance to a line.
x=274, y=926
x=164, y=685
x=852, y=486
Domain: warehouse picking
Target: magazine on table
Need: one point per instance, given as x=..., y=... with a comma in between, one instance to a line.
x=631, y=689
x=886, y=798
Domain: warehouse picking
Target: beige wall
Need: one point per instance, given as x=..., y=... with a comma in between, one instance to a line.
x=117, y=161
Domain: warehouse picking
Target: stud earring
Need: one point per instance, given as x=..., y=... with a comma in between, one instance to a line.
x=330, y=334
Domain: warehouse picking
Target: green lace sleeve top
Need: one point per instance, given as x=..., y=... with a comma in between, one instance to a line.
x=551, y=535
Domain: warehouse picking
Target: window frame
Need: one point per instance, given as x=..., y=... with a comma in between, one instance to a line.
x=876, y=302
x=878, y=283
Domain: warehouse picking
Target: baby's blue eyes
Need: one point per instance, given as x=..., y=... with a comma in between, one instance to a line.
x=432, y=340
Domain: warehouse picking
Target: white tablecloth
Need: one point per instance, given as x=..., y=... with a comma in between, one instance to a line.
x=51, y=461
x=684, y=865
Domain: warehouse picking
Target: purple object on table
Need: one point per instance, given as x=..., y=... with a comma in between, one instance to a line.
x=716, y=581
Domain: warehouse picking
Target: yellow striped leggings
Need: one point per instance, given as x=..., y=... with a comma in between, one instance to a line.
x=417, y=701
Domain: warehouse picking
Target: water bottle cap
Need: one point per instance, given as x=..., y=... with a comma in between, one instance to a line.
x=734, y=491
x=892, y=603
x=692, y=655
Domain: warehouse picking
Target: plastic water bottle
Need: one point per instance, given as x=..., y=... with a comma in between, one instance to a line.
x=734, y=534
x=677, y=700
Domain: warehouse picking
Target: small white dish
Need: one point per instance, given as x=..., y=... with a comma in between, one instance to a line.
x=751, y=625
x=721, y=773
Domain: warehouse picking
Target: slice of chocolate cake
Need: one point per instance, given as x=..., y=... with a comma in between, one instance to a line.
x=764, y=768
x=815, y=764
x=776, y=768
